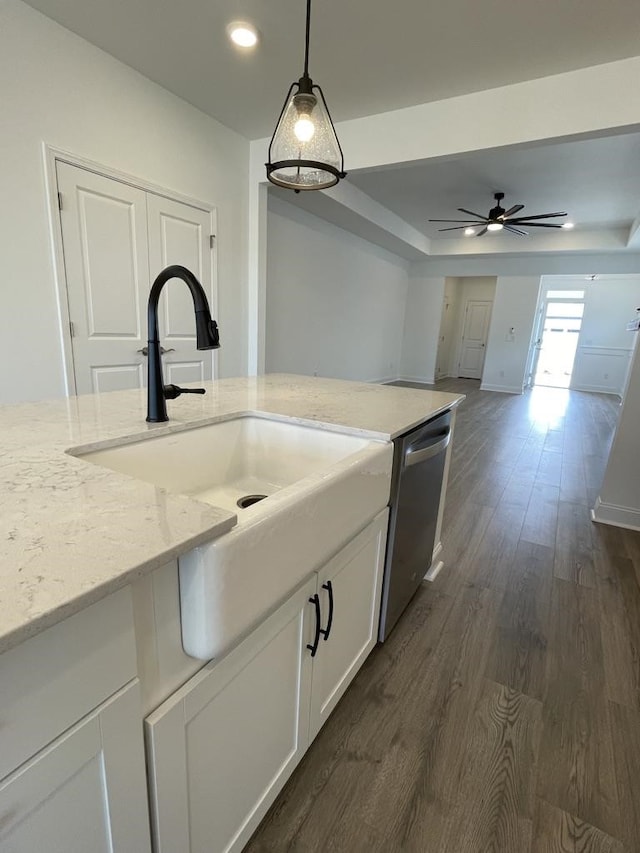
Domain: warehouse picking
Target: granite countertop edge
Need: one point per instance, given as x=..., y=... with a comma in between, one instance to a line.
x=71, y=532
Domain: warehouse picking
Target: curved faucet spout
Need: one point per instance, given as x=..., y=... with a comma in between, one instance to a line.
x=207, y=337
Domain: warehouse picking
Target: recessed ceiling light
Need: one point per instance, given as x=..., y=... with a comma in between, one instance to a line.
x=243, y=34
x=469, y=232
x=567, y=225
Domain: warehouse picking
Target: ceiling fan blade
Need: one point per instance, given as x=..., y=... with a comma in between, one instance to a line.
x=468, y=221
x=484, y=231
x=515, y=230
x=512, y=210
x=475, y=215
x=538, y=216
x=537, y=225
x=456, y=228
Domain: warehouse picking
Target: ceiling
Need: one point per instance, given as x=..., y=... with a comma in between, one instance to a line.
x=370, y=56
x=596, y=181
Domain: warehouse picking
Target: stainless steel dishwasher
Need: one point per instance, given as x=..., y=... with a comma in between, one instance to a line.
x=418, y=468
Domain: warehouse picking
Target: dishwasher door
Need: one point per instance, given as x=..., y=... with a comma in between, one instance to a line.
x=419, y=458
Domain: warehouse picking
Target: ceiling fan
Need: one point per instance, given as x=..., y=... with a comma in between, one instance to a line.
x=500, y=218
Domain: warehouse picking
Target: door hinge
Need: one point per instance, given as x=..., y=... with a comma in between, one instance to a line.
x=212, y=241
x=59, y=201
x=72, y=330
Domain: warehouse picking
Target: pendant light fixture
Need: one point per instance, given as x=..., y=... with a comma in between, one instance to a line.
x=304, y=152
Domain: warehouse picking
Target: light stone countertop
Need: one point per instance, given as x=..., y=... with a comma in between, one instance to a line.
x=72, y=532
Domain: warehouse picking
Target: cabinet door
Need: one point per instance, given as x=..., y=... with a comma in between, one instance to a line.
x=86, y=791
x=353, y=579
x=221, y=748
x=180, y=234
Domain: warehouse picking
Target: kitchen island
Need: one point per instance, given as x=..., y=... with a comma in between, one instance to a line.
x=90, y=617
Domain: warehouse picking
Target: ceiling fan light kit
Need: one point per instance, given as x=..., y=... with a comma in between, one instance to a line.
x=500, y=219
x=304, y=152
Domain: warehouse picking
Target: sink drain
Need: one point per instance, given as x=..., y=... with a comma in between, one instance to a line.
x=249, y=500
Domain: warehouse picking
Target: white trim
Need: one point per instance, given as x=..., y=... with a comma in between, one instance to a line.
x=596, y=389
x=385, y=380
x=616, y=352
x=50, y=156
x=502, y=389
x=436, y=565
x=59, y=271
x=434, y=571
x=423, y=380
x=617, y=516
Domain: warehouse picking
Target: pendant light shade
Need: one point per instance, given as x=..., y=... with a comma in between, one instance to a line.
x=304, y=152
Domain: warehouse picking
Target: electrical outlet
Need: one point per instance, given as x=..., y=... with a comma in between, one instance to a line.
x=502, y=373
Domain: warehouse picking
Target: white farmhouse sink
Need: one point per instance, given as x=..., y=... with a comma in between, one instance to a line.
x=322, y=487
x=221, y=463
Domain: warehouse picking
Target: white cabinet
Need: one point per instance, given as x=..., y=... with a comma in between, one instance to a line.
x=72, y=771
x=221, y=748
x=83, y=792
x=351, y=582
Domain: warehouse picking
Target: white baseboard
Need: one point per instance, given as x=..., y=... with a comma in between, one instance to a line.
x=436, y=565
x=503, y=389
x=384, y=381
x=617, y=516
x=423, y=380
x=598, y=389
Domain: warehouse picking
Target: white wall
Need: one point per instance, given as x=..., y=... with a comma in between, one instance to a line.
x=604, y=346
x=422, y=327
x=335, y=304
x=58, y=89
x=619, y=500
x=514, y=308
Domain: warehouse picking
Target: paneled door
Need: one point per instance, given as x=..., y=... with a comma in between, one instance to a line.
x=180, y=234
x=474, y=338
x=104, y=233
x=116, y=239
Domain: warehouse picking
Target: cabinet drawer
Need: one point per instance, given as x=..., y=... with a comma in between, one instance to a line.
x=55, y=678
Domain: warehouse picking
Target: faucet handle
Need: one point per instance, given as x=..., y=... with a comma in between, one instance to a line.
x=173, y=391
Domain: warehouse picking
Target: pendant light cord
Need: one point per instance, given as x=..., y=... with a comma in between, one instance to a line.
x=306, y=42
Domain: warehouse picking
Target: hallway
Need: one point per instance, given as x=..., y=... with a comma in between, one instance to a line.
x=503, y=714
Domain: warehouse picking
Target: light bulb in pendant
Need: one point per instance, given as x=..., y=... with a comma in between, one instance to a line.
x=304, y=128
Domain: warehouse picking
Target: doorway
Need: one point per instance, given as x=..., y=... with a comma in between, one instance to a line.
x=556, y=338
x=115, y=237
x=473, y=347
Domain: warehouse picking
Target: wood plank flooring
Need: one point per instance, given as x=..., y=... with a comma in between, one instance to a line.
x=503, y=713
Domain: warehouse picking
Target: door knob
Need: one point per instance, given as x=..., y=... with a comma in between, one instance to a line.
x=145, y=350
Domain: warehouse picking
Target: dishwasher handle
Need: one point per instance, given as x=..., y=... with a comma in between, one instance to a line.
x=421, y=454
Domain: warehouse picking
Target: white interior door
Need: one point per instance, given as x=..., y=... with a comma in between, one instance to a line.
x=180, y=234
x=104, y=232
x=477, y=316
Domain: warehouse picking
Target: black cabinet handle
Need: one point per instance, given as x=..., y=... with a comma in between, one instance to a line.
x=313, y=647
x=329, y=587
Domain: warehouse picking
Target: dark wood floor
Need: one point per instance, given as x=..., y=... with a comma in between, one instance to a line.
x=503, y=714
